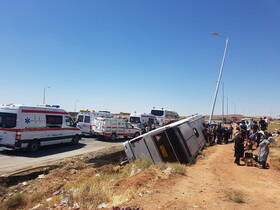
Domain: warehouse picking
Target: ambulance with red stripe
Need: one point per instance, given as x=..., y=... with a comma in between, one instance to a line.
x=141, y=119
x=29, y=127
x=115, y=128
x=86, y=119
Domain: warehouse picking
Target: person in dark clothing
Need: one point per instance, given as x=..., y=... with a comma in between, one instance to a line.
x=243, y=127
x=262, y=124
x=230, y=131
x=238, y=148
x=226, y=135
x=219, y=132
x=258, y=139
x=214, y=133
x=255, y=127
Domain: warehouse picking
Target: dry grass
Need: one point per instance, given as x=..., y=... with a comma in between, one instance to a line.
x=90, y=187
x=235, y=196
x=3, y=190
x=274, y=126
x=175, y=167
x=274, y=156
x=91, y=192
x=16, y=201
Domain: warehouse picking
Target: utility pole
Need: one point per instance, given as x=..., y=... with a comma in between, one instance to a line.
x=227, y=107
x=220, y=76
x=223, y=105
x=234, y=108
x=44, y=96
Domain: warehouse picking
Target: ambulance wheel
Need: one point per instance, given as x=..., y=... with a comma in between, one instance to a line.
x=136, y=134
x=75, y=140
x=33, y=146
x=113, y=137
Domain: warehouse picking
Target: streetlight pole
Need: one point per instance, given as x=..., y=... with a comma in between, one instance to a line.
x=223, y=103
x=44, y=96
x=234, y=108
x=220, y=75
x=227, y=107
x=75, y=105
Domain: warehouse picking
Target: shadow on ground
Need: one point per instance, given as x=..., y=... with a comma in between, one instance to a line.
x=44, y=151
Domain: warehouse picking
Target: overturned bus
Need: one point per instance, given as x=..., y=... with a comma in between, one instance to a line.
x=176, y=142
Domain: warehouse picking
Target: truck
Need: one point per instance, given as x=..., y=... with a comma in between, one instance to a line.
x=115, y=128
x=177, y=142
x=29, y=127
x=86, y=120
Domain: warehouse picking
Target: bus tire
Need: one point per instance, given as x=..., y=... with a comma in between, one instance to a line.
x=75, y=140
x=33, y=146
x=136, y=134
x=113, y=137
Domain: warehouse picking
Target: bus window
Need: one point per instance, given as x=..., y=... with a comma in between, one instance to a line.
x=157, y=112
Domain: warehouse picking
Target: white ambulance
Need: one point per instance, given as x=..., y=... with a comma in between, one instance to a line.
x=29, y=127
x=115, y=128
x=138, y=120
x=86, y=119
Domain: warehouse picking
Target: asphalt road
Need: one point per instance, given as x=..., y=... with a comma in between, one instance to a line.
x=13, y=161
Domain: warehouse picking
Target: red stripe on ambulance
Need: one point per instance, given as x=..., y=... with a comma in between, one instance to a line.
x=42, y=112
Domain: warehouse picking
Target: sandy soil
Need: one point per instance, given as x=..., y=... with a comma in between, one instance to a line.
x=206, y=184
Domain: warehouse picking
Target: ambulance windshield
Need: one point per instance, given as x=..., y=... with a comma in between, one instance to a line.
x=7, y=120
x=135, y=120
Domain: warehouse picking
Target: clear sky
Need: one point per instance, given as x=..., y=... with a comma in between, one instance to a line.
x=132, y=55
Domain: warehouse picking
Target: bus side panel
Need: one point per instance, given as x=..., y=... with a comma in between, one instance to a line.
x=198, y=125
x=128, y=151
x=153, y=149
x=177, y=141
x=164, y=147
x=190, y=139
x=140, y=149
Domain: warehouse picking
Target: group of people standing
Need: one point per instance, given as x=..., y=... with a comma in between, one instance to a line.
x=218, y=134
x=249, y=134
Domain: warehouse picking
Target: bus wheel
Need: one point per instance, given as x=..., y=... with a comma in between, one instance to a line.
x=113, y=137
x=75, y=140
x=136, y=134
x=33, y=146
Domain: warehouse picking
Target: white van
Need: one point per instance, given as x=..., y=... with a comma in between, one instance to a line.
x=29, y=127
x=141, y=119
x=115, y=128
x=86, y=120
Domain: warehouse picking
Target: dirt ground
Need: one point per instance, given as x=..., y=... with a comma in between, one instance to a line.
x=208, y=182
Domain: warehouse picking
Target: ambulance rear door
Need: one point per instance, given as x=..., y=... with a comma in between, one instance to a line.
x=8, y=123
